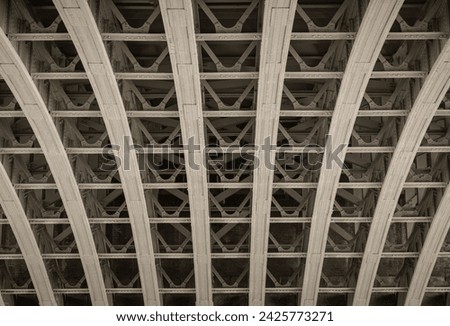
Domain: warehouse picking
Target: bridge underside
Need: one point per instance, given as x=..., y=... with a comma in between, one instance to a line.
x=230, y=179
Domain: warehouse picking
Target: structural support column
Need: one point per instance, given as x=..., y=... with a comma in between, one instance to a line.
x=277, y=28
x=178, y=18
x=430, y=96
x=80, y=23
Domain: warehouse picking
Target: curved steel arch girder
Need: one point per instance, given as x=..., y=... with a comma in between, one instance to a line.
x=428, y=255
x=178, y=18
x=277, y=28
x=25, y=91
x=375, y=26
x=80, y=23
x=25, y=238
x=427, y=102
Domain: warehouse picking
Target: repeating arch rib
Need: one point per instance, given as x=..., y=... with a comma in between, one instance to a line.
x=424, y=108
x=81, y=25
x=26, y=93
x=277, y=28
x=375, y=26
x=18, y=221
x=178, y=18
x=430, y=251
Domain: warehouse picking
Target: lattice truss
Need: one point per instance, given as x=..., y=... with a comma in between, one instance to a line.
x=133, y=168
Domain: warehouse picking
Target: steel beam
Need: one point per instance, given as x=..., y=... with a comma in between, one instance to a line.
x=247, y=150
x=222, y=113
x=223, y=220
x=424, y=108
x=81, y=25
x=277, y=28
x=228, y=113
x=26, y=240
x=233, y=185
x=178, y=18
x=232, y=113
x=377, y=21
x=274, y=290
x=155, y=37
x=313, y=75
x=230, y=255
x=25, y=91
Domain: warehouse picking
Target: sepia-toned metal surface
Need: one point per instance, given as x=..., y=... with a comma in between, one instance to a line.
x=221, y=152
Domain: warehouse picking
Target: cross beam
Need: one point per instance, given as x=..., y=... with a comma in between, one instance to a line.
x=222, y=113
x=157, y=37
x=81, y=25
x=178, y=18
x=277, y=28
x=291, y=75
x=377, y=21
x=26, y=93
x=430, y=96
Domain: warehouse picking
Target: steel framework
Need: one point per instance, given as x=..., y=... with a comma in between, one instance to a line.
x=208, y=152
